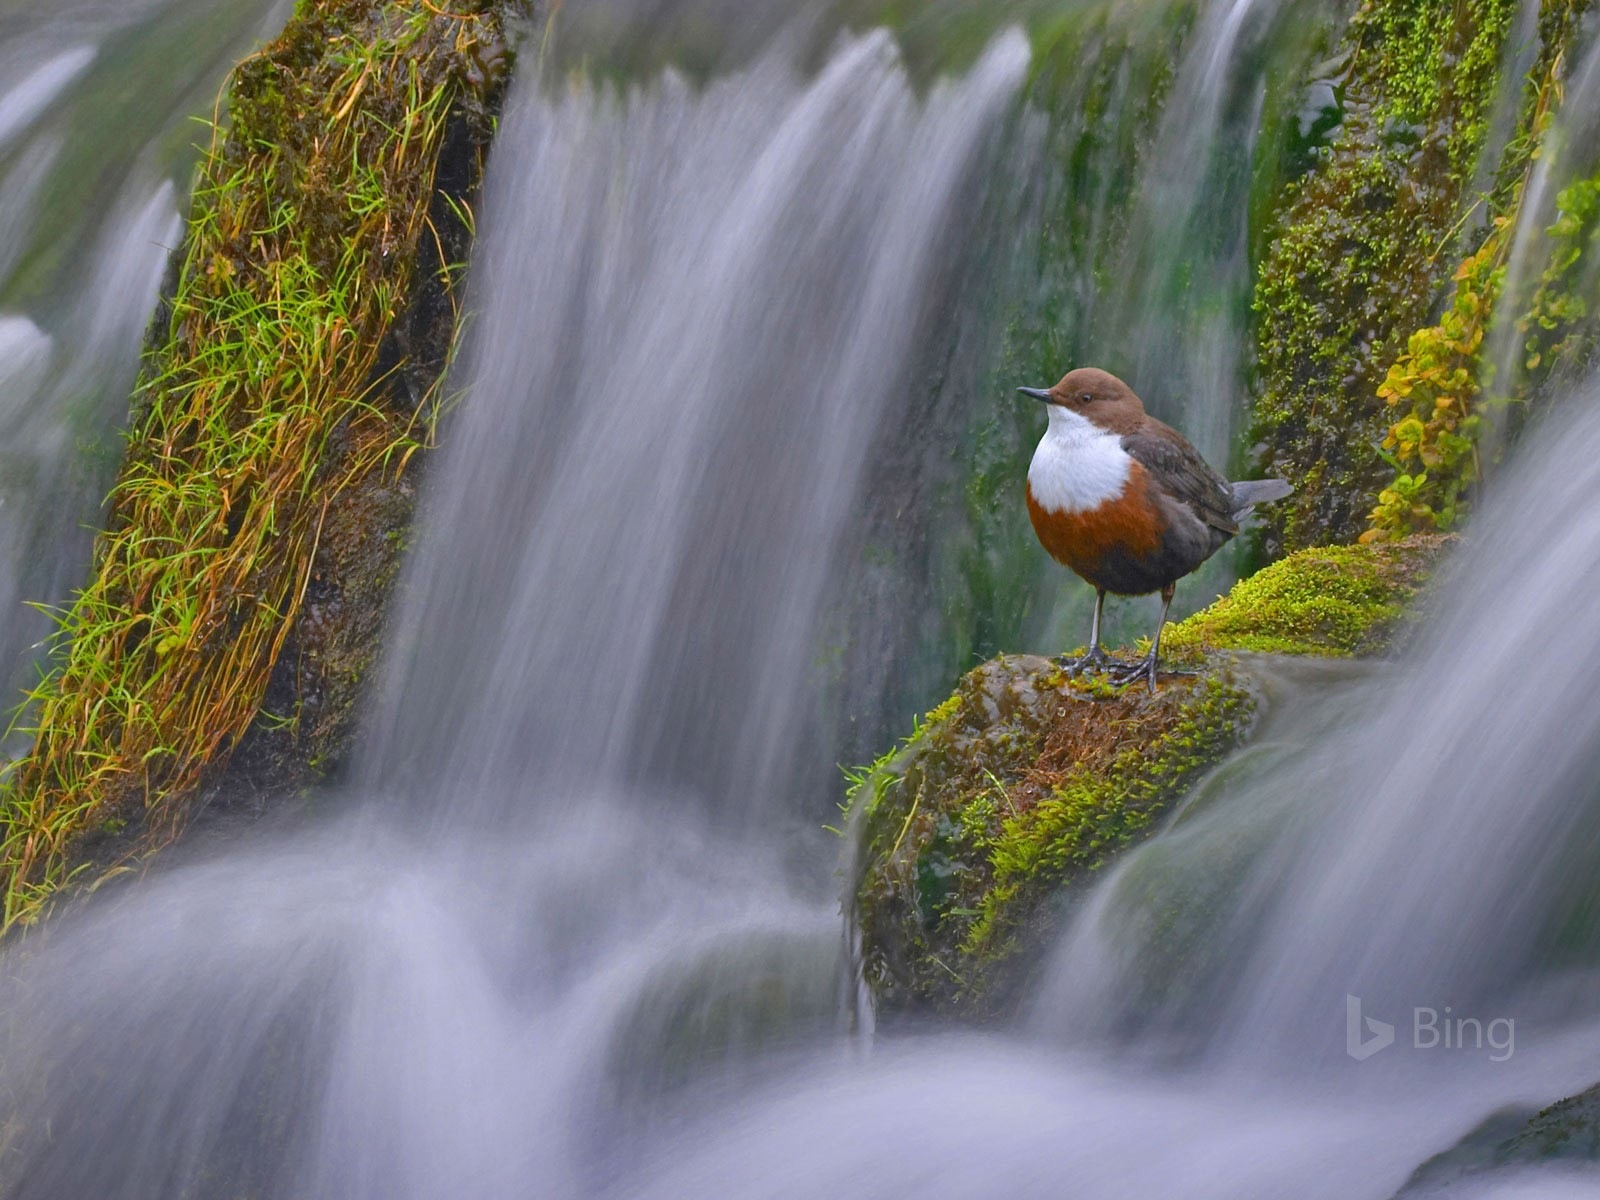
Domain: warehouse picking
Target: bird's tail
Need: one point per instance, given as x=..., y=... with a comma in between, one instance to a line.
x=1252, y=492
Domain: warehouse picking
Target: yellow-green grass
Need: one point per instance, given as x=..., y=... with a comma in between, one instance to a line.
x=299, y=257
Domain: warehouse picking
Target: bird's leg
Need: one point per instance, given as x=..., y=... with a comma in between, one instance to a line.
x=1147, y=669
x=1095, y=659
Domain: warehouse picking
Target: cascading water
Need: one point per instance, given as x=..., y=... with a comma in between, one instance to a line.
x=1414, y=847
x=698, y=309
x=589, y=966
x=497, y=1014
x=1191, y=225
x=1572, y=145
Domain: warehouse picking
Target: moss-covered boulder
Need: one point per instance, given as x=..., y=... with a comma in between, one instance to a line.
x=1025, y=781
x=1020, y=782
x=1332, y=601
x=1364, y=243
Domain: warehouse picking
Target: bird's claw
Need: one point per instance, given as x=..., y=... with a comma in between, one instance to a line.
x=1095, y=660
x=1145, y=670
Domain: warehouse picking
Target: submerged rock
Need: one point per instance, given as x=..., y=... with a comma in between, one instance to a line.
x=1025, y=782
x=1564, y=1134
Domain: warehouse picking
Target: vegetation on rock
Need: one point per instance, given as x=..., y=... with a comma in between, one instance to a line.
x=1331, y=601
x=291, y=380
x=1024, y=781
x=1437, y=385
x=1561, y=329
x=1019, y=783
x=1434, y=445
x=1362, y=246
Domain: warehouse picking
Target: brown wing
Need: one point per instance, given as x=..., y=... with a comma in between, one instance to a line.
x=1179, y=470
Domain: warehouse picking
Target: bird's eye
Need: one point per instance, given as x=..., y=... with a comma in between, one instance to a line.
x=1086, y=397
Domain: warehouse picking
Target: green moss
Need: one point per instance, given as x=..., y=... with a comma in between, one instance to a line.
x=1435, y=389
x=1095, y=811
x=1561, y=329
x=1362, y=247
x=1024, y=782
x=1329, y=601
x=1019, y=784
x=1559, y=24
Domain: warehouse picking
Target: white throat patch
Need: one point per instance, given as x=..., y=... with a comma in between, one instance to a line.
x=1078, y=466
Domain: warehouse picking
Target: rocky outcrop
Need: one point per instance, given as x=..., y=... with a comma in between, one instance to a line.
x=1387, y=214
x=1025, y=781
x=290, y=387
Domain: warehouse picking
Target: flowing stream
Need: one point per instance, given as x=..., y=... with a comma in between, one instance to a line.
x=698, y=308
x=572, y=928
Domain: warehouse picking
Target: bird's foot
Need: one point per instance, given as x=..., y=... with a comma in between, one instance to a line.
x=1145, y=670
x=1096, y=661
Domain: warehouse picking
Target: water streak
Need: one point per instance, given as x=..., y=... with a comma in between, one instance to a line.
x=698, y=309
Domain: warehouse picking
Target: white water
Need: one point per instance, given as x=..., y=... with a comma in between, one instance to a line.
x=597, y=963
x=1421, y=837
x=1180, y=322
x=509, y=999
x=1570, y=150
x=697, y=310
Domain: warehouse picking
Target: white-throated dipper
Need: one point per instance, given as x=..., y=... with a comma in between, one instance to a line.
x=1126, y=502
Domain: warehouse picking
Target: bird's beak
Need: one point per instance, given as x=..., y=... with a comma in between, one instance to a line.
x=1037, y=393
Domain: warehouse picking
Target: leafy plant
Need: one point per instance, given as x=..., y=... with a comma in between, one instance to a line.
x=1556, y=328
x=1433, y=444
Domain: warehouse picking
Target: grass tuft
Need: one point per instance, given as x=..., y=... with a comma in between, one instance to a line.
x=299, y=258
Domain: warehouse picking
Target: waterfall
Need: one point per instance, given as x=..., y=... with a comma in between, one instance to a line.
x=605, y=633
x=1411, y=845
x=642, y=497
x=570, y=929
x=1190, y=234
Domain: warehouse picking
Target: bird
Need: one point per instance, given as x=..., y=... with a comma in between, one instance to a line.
x=1126, y=503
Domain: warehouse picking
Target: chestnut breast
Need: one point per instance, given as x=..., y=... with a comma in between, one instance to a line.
x=1093, y=507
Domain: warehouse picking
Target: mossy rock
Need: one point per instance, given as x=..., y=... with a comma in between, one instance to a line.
x=1363, y=245
x=290, y=387
x=1021, y=782
x=1331, y=601
x=1568, y=1129
x=1025, y=782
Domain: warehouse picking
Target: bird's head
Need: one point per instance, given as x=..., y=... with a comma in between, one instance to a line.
x=1092, y=393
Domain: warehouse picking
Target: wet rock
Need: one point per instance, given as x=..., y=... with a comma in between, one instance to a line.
x=1021, y=783
x=972, y=835
x=1567, y=1132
